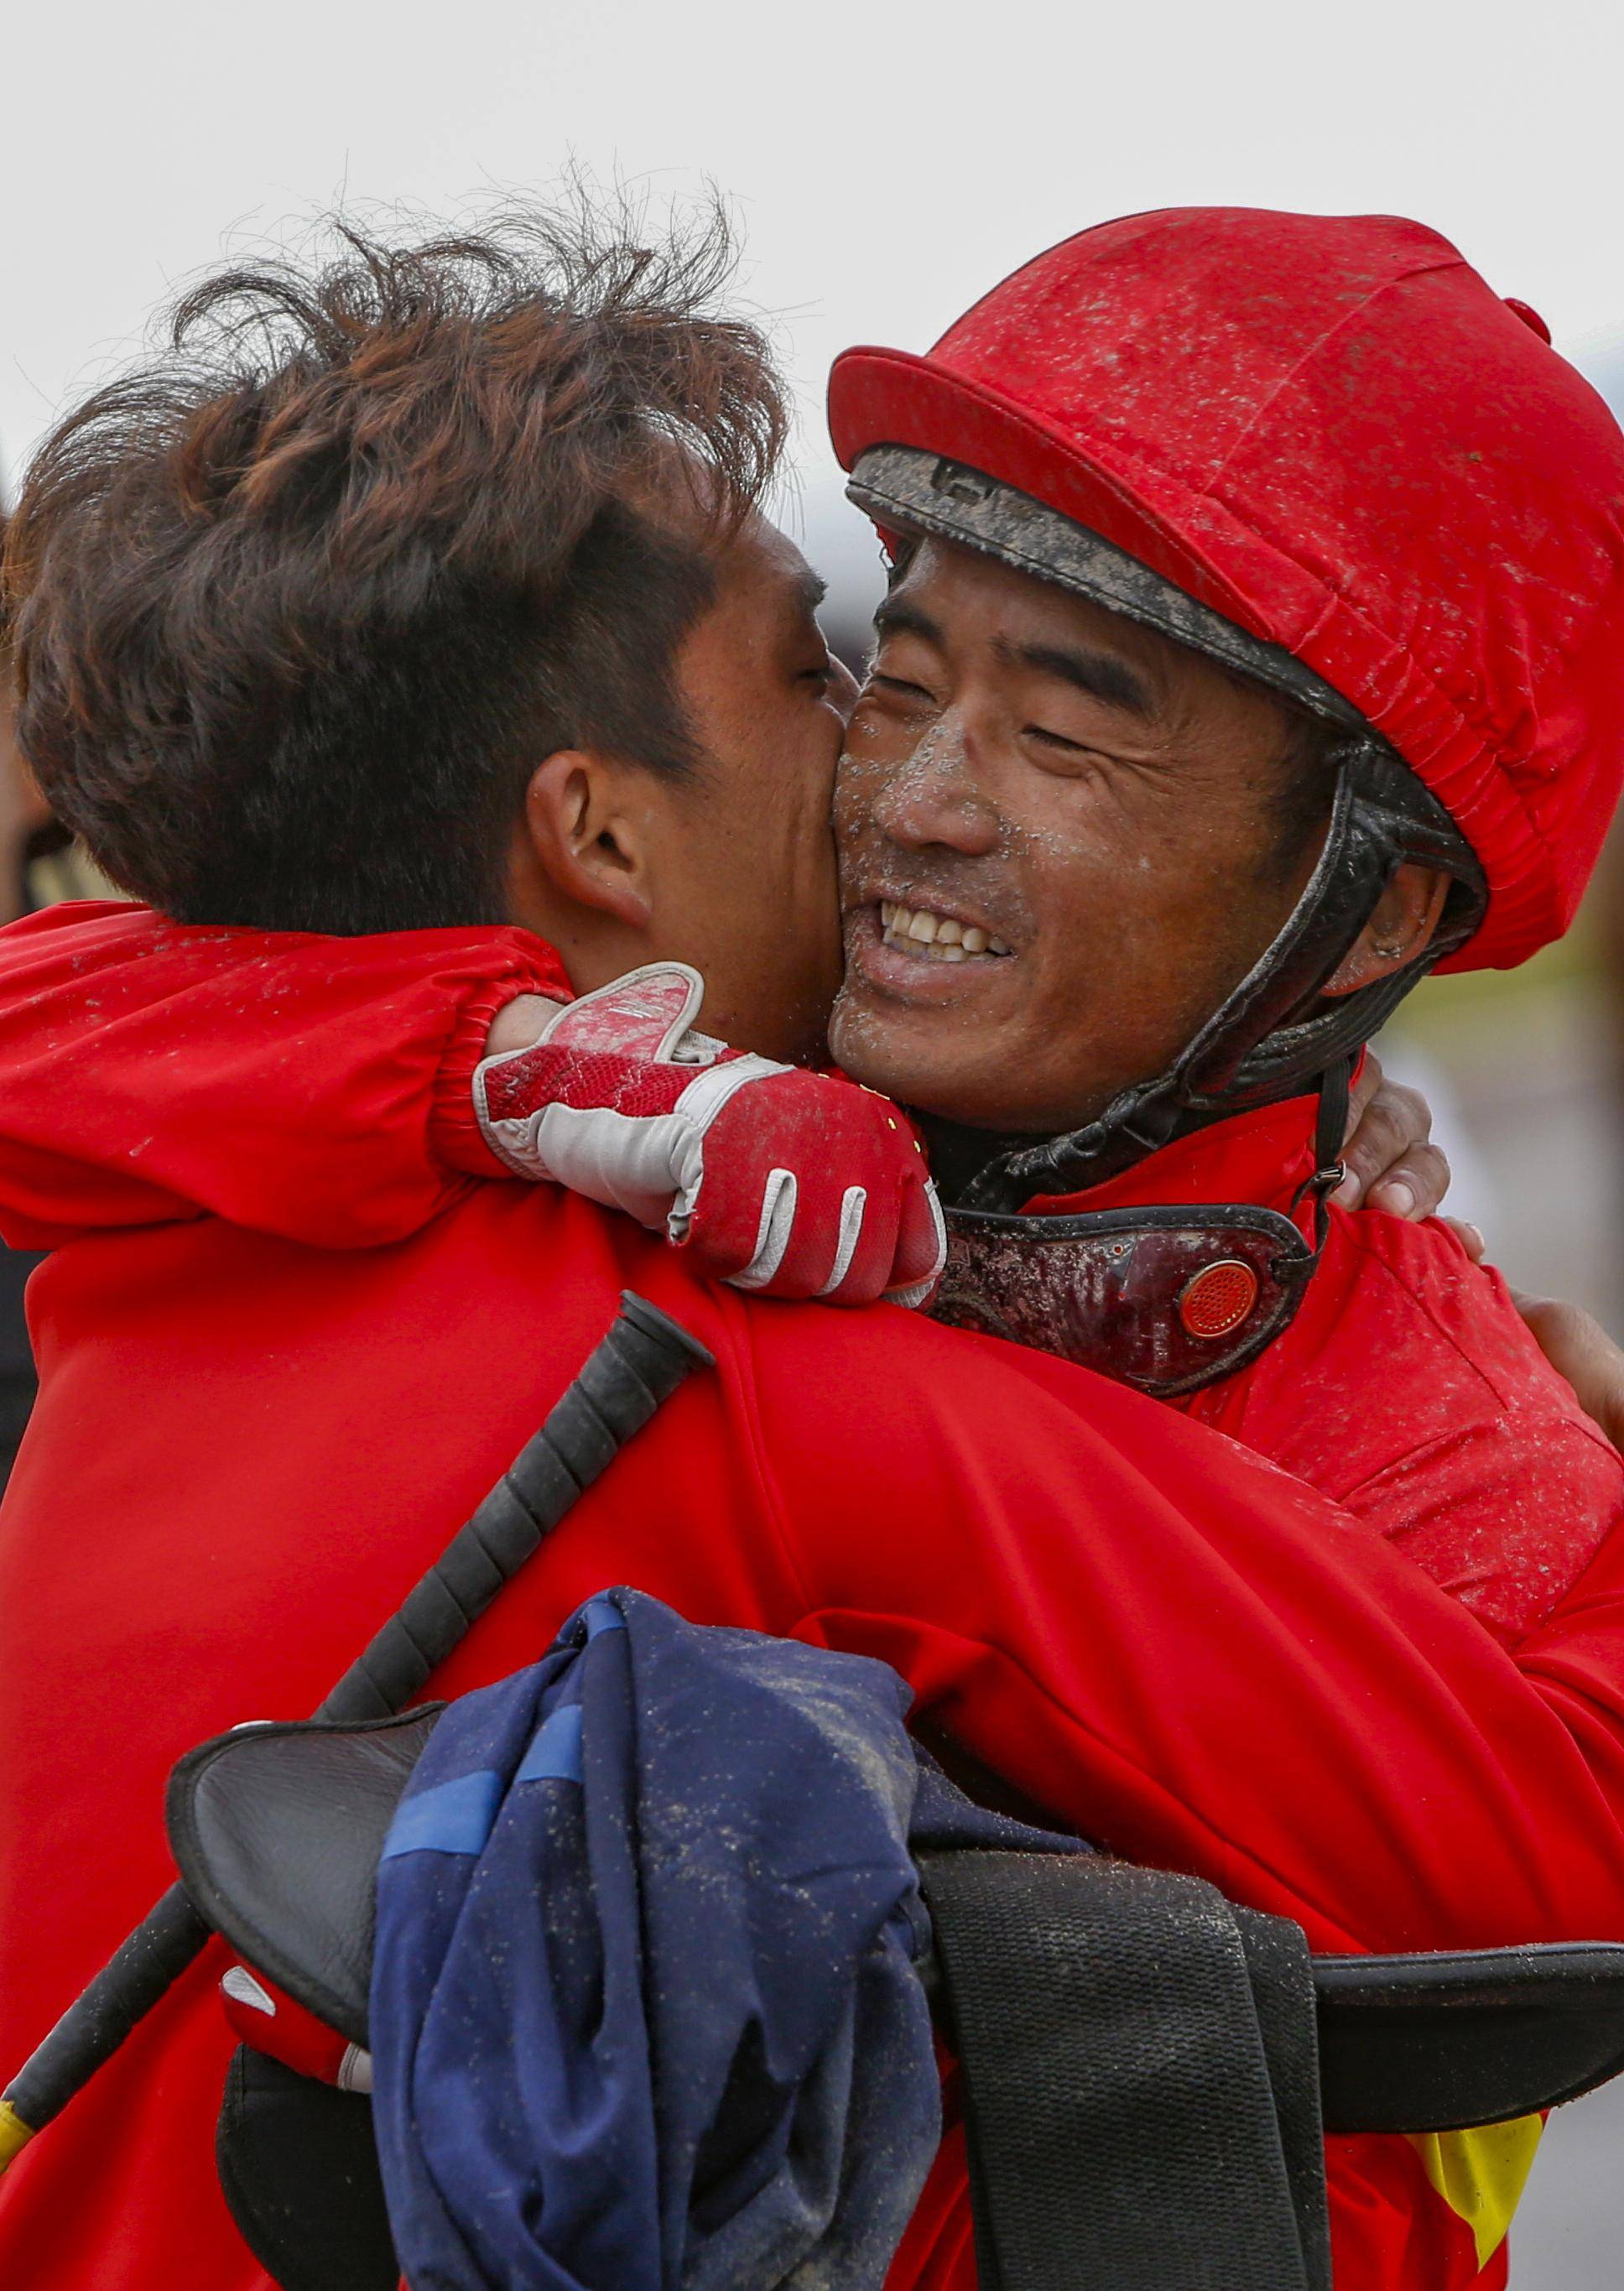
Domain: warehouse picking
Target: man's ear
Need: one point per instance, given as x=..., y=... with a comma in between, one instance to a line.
x=1400, y=929
x=580, y=841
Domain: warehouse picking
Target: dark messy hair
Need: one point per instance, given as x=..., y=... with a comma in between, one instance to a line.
x=298, y=607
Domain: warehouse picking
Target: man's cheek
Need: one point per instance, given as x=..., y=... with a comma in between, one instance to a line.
x=859, y=783
x=850, y=820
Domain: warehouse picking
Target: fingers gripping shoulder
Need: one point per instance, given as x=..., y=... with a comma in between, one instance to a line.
x=782, y=1181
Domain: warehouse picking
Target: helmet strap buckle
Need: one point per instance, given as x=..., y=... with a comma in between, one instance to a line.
x=1330, y=1129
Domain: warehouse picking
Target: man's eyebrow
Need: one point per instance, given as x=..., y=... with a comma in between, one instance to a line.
x=897, y=619
x=810, y=588
x=1100, y=674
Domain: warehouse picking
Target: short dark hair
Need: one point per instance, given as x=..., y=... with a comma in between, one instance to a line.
x=298, y=607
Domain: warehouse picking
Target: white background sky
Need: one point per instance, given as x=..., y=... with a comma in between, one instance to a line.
x=888, y=160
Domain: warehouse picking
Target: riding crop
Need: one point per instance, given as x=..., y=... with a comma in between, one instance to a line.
x=639, y=1363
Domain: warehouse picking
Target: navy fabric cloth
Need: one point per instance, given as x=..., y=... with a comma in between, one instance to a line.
x=645, y=2008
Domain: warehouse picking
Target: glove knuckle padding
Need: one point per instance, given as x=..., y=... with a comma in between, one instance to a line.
x=774, y=1232
x=854, y=1206
x=728, y=1198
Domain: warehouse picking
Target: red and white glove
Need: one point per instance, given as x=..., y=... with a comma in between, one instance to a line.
x=267, y=2020
x=788, y=1183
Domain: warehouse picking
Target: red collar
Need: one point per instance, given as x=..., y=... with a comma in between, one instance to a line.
x=1261, y=1158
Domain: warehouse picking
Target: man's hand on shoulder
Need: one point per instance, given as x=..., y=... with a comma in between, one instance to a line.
x=1393, y=1165
x=1391, y=1161
x=1580, y=1349
x=783, y=1182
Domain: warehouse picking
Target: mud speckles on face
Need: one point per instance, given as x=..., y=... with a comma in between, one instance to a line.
x=1093, y=795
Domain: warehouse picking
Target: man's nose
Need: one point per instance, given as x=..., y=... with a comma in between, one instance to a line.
x=935, y=798
x=843, y=688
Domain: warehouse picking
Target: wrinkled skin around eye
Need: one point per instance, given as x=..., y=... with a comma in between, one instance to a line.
x=1104, y=804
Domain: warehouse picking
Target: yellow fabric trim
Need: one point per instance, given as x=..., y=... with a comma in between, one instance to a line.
x=1481, y=2175
x=14, y=2134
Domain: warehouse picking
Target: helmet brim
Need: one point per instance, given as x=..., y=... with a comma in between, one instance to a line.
x=891, y=397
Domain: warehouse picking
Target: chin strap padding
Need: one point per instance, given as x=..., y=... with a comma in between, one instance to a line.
x=1166, y=1298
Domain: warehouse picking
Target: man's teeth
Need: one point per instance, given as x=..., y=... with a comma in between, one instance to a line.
x=942, y=938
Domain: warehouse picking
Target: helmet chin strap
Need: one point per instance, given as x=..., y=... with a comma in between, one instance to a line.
x=1172, y=1298
x=1329, y=1129
x=1175, y=1298
x=1276, y=1034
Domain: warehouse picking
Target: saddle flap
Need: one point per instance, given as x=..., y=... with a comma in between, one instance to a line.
x=1443, y=2042
x=277, y=1831
x=298, y=2169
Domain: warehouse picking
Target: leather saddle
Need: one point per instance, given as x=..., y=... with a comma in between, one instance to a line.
x=277, y=1830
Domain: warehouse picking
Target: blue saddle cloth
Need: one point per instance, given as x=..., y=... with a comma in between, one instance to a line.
x=646, y=2011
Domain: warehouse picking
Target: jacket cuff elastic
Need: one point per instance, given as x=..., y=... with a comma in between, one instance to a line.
x=454, y=1126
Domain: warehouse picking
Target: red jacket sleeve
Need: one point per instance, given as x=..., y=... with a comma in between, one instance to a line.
x=1163, y=1640
x=1195, y=1660
x=310, y=1086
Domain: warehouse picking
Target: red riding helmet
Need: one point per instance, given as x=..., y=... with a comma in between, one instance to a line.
x=1320, y=448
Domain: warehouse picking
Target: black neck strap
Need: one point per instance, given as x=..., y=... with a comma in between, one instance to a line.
x=1329, y=1129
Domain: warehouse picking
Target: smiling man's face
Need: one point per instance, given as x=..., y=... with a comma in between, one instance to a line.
x=1064, y=839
